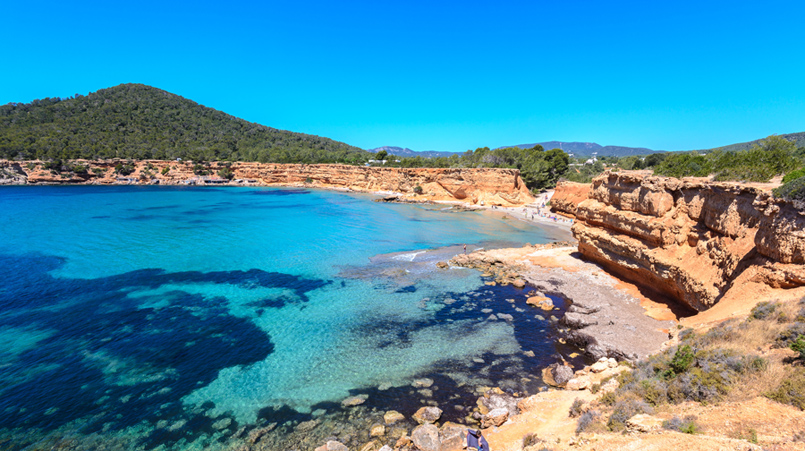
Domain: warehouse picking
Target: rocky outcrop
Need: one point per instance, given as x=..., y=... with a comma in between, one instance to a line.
x=690, y=239
x=502, y=187
x=568, y=195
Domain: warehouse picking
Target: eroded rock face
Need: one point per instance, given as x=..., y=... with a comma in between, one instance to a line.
x=502, y=187
x=568, y=195
x=689, y=239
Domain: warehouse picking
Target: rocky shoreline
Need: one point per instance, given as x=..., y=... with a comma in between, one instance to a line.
x=602, y=319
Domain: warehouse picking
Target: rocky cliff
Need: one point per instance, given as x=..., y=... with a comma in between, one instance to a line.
x=502, y=187
x=568, y=195
x=689, y=239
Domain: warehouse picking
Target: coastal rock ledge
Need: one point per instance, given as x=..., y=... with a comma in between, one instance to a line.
x=690, y=239
x=487, y=186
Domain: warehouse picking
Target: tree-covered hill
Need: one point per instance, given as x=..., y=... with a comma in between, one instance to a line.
x=797, y=138
x=141, y=122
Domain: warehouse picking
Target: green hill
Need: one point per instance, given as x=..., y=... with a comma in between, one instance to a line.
x=797, y=138
x=141, y=122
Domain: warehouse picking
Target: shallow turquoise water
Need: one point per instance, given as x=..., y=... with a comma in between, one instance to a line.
x=176, y=316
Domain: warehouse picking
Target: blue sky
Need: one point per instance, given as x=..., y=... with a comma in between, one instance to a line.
x=436, y=75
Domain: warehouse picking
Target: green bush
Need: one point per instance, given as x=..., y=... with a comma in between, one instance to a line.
x=793, y=190
x=418, y=189
x=764, y=310
x=165, y=170
x=799, y=346
x=684, y=165
x=793, y=175
x=791, y=391
x=226, y=173
x=124, y=169
x=682, y=360
x=687, y=426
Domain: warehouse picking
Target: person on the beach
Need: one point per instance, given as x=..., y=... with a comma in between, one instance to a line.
x=465, y=248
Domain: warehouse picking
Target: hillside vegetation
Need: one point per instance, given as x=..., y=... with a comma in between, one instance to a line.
x=135, y=121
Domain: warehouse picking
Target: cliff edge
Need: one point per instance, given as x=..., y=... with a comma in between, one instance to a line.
x=502, y=187
x=692, y=240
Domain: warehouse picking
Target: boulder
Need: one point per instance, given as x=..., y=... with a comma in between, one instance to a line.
x=494, y=418
x=370, y=446
x=428, y=414
x=392, y=416
x=610, y=386
x=385, y=448
x=518, y=283
x=492, y=401
x=600, y=366
x=442, y=265
x=578, y=383
x=426, y=437
x=643, y=423
x=377, y=430
x=557, y=375
x=452, y=437
x=505, y=316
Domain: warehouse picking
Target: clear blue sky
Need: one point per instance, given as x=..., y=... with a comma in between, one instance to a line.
x=436, y=75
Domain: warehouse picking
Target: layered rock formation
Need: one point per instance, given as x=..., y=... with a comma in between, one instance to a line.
x=502, y=187
x=690, y=239
x=568, y=195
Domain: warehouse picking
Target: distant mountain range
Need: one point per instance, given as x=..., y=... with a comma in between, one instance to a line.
x=408, y=153
x=582, y=149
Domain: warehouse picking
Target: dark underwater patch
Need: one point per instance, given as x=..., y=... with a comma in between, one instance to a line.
x=280, y=192
x=109, y=357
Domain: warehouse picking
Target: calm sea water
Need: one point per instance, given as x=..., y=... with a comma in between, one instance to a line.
x=176, y=318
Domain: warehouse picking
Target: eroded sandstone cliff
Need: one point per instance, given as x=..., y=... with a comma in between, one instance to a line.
x=502, y=187
x=690, y=239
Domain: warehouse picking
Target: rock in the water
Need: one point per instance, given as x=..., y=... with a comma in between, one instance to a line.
x=428, y=414
x=529, y=353
x=495, y=418
x=426, y=437
x=643, y=423
x=223, y=423
x=518, y=283
x=307, y=425
x=370, y=446
x=377, y=430
x=442, y=265
x=492, y=317
x=333, y=445
x=353, y=401
x=422, y=383
x=385, y=448
x=392, y=416
x=543, y=302
x=558, y=375
x=505, y=316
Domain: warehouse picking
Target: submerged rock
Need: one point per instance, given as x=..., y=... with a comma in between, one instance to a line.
x=425, y=382
x=353, y=401
x=392, y=416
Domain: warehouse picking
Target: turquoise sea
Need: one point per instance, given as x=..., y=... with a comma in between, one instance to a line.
x=201, y=318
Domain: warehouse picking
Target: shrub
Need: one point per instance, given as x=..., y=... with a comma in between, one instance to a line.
x=532, y=440
x=98, y=171
x=165, y=170
x=791, y=391
x=308, y=180
x=226, y=173
x=789, y=335
x=576, y=408
x=793, y=190
x=793, y=175
x=764, y=310
x=687, y=426
x=624, y=410
x=124, y=169
x=418, y=189
x=586, y=420
x=683, y=359
x=608, y=399
x=799, y=346
x=79, y=169
x=54, y=165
